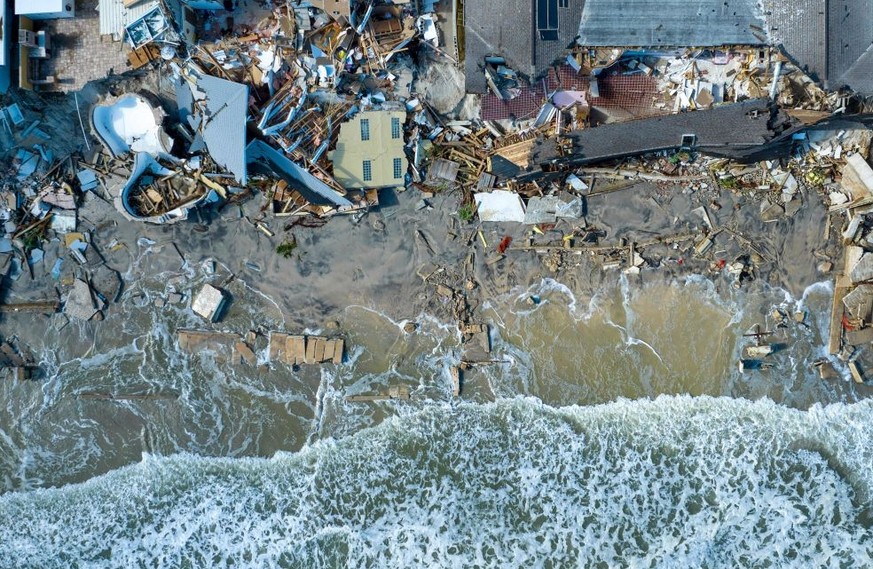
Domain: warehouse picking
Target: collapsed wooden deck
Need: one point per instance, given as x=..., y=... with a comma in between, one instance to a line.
x=284, y=348
x=299, y=350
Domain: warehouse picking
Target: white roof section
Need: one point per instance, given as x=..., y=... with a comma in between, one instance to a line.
x=114, y=17
x=500, y=205
x=4, y=35
x=128, y=125
x=25, y=7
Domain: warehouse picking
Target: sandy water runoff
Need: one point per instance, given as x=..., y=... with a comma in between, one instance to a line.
x=557, y=456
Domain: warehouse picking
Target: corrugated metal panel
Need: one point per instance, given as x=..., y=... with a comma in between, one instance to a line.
x=225, y=130
x=114, y=17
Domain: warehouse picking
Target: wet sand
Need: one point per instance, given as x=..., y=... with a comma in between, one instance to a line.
x=595, y=336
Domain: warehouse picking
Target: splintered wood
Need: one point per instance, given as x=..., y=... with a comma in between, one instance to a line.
x=298, y=350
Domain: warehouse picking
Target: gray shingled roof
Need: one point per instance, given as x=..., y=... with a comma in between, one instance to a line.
x=672, y=23
x=724, y=130
x=826, y=38
x=546, y=52
x=508, y=34
x=799, y=27
x=850, y=32
x=860, y=76
x=224, y=130
x=508, y=29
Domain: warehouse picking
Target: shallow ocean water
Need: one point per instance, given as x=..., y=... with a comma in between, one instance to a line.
x=674, y=482
x=556, y=456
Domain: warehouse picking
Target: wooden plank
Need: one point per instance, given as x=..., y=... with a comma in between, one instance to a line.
x=310, y=351
x=319, y=350
x=245, y=352
x=338, y=351
x=456, y=381
x=295, y=350
x=43, y=306
x=843, y=285
x=329, y=348
x=278, y=347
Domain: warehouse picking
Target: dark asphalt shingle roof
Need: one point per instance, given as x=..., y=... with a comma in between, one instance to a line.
x=725, y=128
x=799, y=26
x=826, y=38
x=508, y=29
x=850, y=32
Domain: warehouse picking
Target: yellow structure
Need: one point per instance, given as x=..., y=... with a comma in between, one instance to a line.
x=369, y=151
x=24, y=23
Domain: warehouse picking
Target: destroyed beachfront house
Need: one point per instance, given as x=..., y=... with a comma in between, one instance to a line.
x=223, y=84
x=602, y=62
x=370, y=152
x=297, y=190
x=162, y=188
x=629, y=58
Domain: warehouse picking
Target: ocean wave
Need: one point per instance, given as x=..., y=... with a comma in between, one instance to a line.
x=671, y=482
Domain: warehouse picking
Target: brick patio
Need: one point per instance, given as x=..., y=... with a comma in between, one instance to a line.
x=79, y=53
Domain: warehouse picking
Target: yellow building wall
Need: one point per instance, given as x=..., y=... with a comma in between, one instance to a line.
x=24, y=23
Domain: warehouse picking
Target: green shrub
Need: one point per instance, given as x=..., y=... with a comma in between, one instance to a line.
x=465, y=212
x=287, y=247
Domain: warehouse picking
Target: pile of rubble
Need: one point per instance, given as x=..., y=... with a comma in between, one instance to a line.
x=306, y=107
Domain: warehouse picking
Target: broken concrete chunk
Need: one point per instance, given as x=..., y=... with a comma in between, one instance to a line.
x=445, y=291
x=209, y=303
x=541, y=210
x=863, y=270
x=338, y=351
x=277, y=347
x=771, y=211
x=427, y=270
x=855, y=370
x=857, y=177
x=295, y=350
x=859, y=302
x=80, y=302
x=851, y=255
x=852, y=230
x=246, y=353
x=859, y=337
x=329, y=348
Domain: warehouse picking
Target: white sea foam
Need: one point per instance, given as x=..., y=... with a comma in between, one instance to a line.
x=674, y=482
